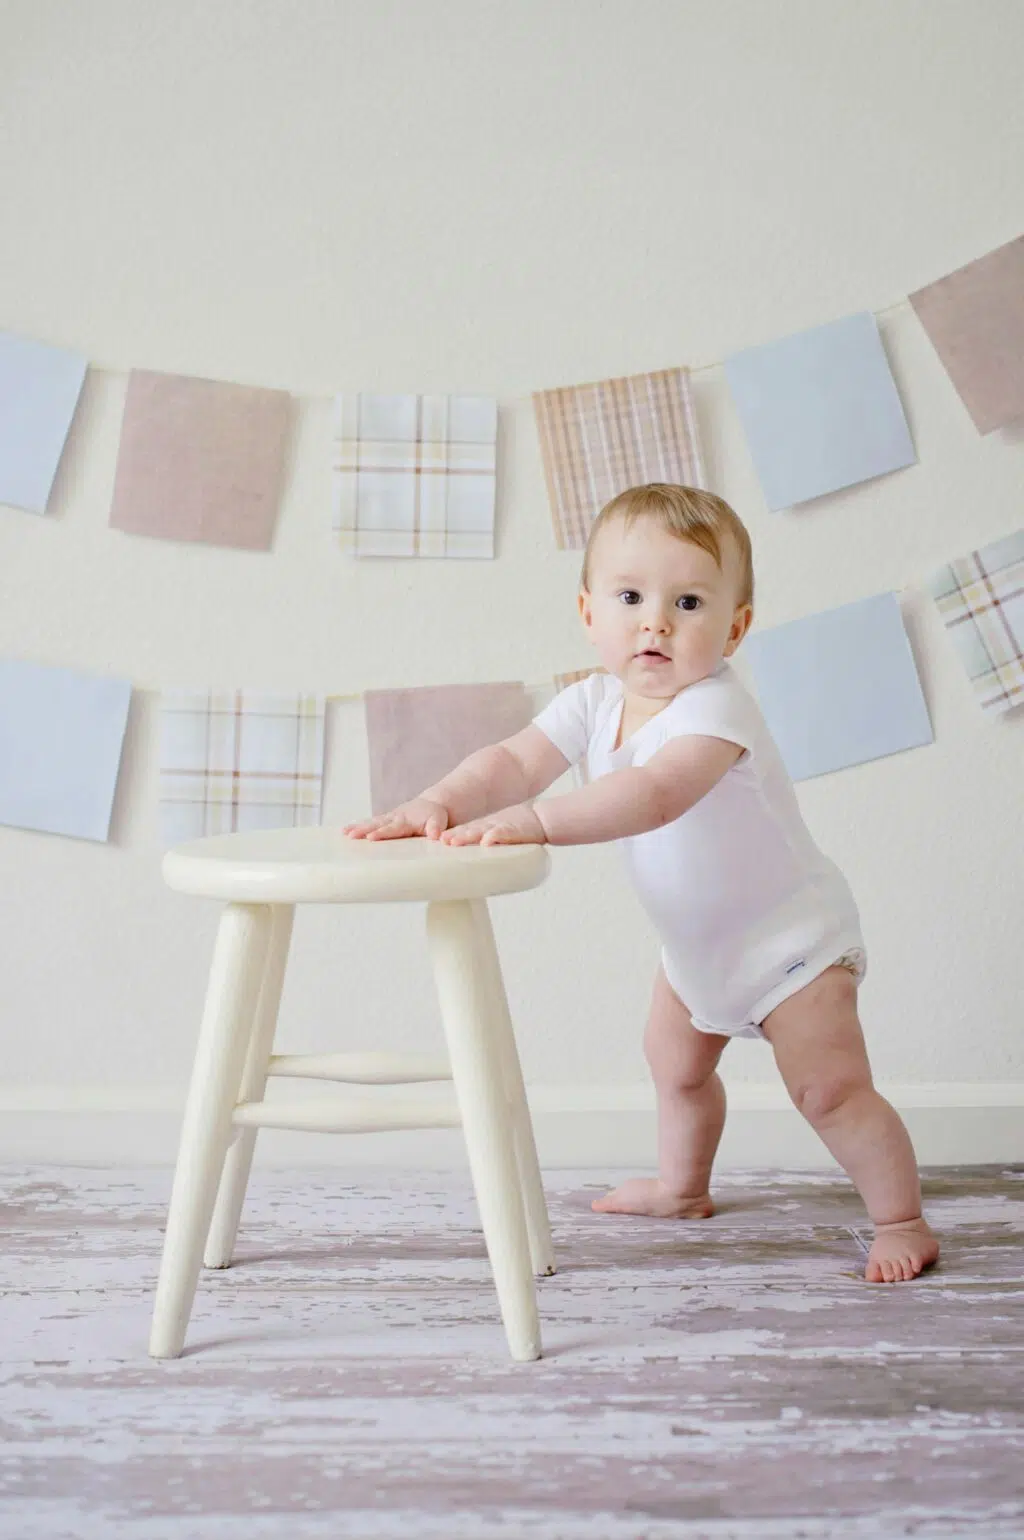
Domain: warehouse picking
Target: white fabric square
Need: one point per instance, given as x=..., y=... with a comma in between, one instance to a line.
x=415, y=475
x=239, y=760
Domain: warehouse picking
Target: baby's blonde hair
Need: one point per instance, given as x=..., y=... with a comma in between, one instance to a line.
x=686, y=512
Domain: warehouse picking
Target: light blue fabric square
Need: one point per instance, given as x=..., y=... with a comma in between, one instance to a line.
x=841, y=687
x=39, y=390
x=61, y=735
x=820, y=410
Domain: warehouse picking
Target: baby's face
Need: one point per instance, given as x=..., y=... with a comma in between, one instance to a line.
x=660, y=611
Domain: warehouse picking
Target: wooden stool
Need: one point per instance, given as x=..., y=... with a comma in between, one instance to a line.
x=261, y=877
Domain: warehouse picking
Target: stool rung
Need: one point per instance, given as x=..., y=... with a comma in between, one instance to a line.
x=361, y=1068
x=336, y=1115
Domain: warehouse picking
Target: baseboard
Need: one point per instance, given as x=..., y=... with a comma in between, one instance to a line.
x=953, y=1123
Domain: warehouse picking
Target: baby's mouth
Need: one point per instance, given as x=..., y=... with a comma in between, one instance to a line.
x=654, y=655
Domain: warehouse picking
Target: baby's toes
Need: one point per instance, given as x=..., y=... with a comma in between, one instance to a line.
x=881, y=1270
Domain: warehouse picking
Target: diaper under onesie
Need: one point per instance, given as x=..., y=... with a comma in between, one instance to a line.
x=748, y=909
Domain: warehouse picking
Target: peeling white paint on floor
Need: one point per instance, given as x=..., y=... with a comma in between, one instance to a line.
x=734, y=1378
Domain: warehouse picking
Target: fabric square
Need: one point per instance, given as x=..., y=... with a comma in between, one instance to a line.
x=840, y=687
x=975, y=319
x=597, y=440
x=415, y=475
x=981, y=600
x=200, y=460
x=416, y=736
x=39, y=390
x=820, y=410
x=61, y=736
x=240, y=759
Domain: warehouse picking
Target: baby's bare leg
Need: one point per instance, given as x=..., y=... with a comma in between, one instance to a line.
x=691, y=1114
x=819, y=1048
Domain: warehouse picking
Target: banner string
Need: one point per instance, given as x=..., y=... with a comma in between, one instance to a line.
x=299, y=395
x=894, y=309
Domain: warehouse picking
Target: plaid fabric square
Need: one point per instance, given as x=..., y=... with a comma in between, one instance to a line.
x=239, y=760
x=597, y=440
x=981, y=600
x=415, y=475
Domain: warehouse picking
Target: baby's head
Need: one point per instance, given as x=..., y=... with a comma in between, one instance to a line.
x=667, y=589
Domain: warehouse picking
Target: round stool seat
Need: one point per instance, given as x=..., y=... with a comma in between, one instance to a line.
x=293, y=866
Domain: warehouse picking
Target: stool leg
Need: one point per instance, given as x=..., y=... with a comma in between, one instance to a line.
x=472, y=1027
x=231, y=996
x=220, y=1243
x=542, y=1252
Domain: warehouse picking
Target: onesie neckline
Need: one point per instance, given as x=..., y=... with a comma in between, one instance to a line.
x=615, y=720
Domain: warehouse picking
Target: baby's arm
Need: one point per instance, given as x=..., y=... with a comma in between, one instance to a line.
x=632, y=801
x=642, y=798
x=512, y=771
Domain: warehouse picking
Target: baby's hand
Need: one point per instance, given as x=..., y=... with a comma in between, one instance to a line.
x=420, y=816
x=517, y=825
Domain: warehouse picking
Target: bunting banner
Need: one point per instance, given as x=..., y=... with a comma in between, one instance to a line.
x=415, y=475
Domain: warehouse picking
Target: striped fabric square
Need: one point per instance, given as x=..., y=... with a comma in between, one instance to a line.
x=415, y=475
x=981, y=600
x=239, y=760
x=597, y=440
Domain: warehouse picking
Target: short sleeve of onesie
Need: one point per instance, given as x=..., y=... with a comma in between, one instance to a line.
x=570, y=719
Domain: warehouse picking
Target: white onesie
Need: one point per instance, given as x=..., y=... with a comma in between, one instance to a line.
x=748, y=908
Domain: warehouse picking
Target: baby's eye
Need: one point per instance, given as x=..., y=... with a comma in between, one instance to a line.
x=688, y=602
x=629, y=596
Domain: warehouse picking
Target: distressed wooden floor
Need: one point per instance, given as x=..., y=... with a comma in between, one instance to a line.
x=729, y=1379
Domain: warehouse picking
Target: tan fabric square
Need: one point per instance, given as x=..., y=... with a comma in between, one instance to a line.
x=975, y=319
x=417, y=736
x=200, y=460
x=597, y=440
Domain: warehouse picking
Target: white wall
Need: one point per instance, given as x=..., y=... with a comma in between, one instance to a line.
x=461, y=195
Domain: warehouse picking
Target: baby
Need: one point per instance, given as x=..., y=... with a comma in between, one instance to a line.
x=760, y=933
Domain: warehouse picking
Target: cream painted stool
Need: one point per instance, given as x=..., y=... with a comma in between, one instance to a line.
x=261, y=877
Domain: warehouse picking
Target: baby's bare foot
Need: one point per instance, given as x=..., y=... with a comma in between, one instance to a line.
x=649, y=1195
x=900, y=1251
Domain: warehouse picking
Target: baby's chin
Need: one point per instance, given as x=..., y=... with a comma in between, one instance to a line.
x=660, y=681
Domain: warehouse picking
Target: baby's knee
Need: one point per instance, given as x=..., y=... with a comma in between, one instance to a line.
x=819, y=1098
x=673, y=1069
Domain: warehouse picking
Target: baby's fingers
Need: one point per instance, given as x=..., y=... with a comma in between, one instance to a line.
x=462, y=834
x=359, y=831
x=394, y=827
x=501, y=834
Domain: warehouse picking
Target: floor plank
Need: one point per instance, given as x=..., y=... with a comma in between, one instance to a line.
x=734, y=1378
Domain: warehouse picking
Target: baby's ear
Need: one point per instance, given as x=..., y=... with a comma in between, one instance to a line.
x=583, y=604
x=741, y=624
